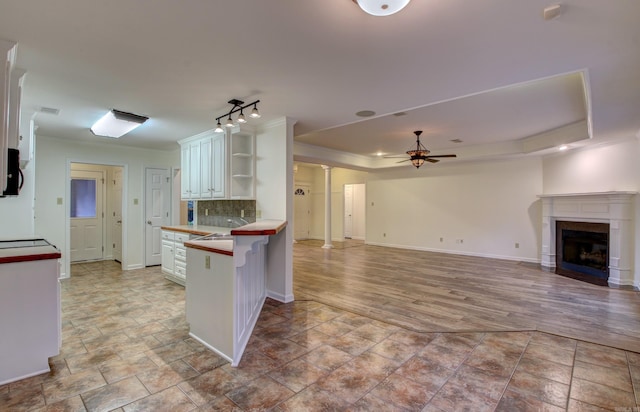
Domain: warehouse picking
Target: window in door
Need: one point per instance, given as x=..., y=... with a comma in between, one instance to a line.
x=83, y=198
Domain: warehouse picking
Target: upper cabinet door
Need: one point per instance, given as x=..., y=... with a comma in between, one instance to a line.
x=194, y=170
x=185, y=169
x=218, y=169
x=206, y=186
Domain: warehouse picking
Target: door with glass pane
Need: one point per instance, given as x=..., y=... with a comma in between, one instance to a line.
x=86, y=215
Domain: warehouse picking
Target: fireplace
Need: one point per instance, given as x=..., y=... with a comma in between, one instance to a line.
x=614, y=263
x=582, y=251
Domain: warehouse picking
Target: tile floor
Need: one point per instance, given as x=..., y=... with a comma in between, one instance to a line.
x=126, y=347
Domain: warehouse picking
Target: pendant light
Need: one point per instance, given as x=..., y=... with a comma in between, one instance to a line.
x=238, y=106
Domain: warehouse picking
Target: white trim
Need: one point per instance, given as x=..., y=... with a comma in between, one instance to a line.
x=222, y=355
x=280, y=297
x=456, y=252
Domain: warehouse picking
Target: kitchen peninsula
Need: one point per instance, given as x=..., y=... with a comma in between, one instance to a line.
x=227, y=283
x=30, y=306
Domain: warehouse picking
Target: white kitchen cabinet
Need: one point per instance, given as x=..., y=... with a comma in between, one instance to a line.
x=212, y=167
x=27, y=137
x=201, y=177
x=168, y=257
x=174, y=256
x=190, y=170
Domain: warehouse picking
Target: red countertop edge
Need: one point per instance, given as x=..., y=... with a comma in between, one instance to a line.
x=193, y=245
x=29, y=258
x=241, y=231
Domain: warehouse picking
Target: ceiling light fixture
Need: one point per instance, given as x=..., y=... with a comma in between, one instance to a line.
x=381, y=7
x=117, y=123
x=238, y=106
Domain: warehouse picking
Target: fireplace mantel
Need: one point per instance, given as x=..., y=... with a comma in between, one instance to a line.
x=614, y=208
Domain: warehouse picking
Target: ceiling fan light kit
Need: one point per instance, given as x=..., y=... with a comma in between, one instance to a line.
x=381, y=7
x=420, y=154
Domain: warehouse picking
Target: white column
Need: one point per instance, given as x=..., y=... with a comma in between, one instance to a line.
x=327, y=207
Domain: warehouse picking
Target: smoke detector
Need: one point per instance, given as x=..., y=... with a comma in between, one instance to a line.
x=552, y=12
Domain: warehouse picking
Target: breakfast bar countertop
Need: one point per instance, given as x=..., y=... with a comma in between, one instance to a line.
x=201, y=230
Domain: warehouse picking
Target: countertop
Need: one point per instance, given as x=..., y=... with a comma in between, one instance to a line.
x=225, y=246
x=266, y=227
x=197, y=229
x=27, y=254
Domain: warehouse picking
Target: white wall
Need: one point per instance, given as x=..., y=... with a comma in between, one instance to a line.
x=274, y=200
x=16, y=212
x=53, y=158
x=611, y=167
x=488, y=206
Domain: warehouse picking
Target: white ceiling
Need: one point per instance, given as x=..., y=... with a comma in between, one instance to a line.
x=492, y=73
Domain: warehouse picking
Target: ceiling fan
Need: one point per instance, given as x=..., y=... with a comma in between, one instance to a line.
x=420, y=154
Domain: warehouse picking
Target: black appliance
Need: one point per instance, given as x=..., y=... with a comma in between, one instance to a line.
x=15, y=178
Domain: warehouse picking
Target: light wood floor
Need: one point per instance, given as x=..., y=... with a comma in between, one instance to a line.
x=435, y=292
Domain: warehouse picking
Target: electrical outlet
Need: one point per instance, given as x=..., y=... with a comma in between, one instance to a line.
x=242, y=213
x=258, y=214
x=59, y=200
x=206, y=212
x=135, y=201
x=441, y=239
x=207, y=262
x=517, y=245
x=384, y=235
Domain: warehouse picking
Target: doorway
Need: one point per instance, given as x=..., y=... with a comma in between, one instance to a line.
x=87, y=215
x=301, y=212
x=354, y=211
x=157, y=212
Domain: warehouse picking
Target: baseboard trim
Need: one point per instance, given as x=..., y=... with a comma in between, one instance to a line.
x=457, y=252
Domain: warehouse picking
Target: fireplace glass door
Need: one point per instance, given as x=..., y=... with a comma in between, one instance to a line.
x=582, y=251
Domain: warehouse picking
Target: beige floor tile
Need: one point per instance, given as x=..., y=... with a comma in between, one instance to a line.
x=114, y=395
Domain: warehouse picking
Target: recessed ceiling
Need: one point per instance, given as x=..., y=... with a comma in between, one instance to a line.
x=488, y=73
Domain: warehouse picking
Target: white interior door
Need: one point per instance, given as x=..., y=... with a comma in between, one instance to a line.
x=358, y=211
x=301, y=212
x=157, y=211
x=348, y=211
x=116, y=218
x=86, y=215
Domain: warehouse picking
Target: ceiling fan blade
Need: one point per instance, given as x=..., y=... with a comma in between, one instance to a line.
x=402, y=161
x=394, y=157
x=449, y=155
x=432, y=160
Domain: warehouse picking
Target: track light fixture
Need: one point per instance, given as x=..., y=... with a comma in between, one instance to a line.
x=238, y=106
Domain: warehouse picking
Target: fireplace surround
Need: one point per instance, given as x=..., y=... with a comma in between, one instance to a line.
x=616, y=209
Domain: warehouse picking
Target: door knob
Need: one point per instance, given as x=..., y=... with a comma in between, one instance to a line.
x=148, y=222
x=118, y=221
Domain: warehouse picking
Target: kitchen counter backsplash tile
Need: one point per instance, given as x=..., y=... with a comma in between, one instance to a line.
x=226, y=213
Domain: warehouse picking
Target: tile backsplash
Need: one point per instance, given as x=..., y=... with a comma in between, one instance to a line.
x=226, y=213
